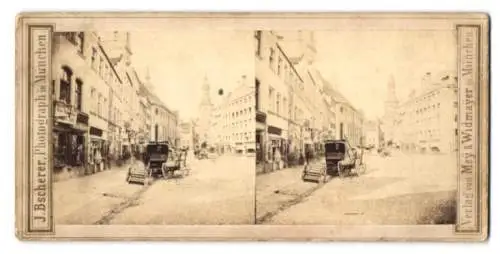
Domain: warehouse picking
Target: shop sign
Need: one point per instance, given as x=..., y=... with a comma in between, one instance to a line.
x=65, y=113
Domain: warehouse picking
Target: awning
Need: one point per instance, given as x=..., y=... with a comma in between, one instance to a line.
x=274, y=136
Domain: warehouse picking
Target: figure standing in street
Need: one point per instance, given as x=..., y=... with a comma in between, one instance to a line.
x=98, y=159
x=277, y=159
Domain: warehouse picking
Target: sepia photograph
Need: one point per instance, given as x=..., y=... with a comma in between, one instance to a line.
x=152, y=127
x=254, y=126
x=356, y=126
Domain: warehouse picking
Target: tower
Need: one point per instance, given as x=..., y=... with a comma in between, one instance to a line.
x=205, y=112
x=391, y=101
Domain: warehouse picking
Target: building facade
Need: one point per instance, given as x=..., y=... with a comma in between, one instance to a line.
x=372, y=134
x=100, y=104
x=428, y=120
x=294, y=113
x=186, y=134
x=236, y=120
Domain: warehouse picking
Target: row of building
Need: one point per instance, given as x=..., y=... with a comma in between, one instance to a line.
x=229, y=126
x=427, y=120
x=296, y=107
x=101, y=104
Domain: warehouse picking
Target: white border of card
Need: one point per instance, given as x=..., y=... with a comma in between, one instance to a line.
x=34, y=206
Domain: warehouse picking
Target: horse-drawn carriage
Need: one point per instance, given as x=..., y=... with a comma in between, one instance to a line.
x=340, y=159
x=159, y=160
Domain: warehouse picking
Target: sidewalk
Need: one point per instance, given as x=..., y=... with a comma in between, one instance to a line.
x=80, y=171
x=84, y=199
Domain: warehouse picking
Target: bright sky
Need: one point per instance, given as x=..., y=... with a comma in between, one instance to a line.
x=361, y=62
x=178, y=61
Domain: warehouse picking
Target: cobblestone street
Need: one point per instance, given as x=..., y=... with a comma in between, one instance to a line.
x=401, y=189
x=217, y=191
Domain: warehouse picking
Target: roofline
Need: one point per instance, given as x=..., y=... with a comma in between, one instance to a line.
x=110, y=64
x=288, y=60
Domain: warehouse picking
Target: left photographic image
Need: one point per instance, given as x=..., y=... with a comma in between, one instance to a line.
x=153, y=127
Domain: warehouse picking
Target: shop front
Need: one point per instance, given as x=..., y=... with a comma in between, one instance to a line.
x=260, y=138
x=69, y=136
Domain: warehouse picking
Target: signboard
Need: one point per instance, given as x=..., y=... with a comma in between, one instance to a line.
x=65, y=113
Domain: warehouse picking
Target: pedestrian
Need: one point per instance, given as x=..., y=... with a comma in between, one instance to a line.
x=277, y=159
x=79, y=154
x=98, y=159
x=308, y=154
x=90, y=165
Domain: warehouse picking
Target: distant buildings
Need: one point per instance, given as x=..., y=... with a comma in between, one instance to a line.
x=236, y=118
x=427, y=120
x=186, y=134
x=372, y=134
x=100, y=103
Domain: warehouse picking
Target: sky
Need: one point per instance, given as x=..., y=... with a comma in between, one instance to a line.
x=360, y=63
x=178, y=61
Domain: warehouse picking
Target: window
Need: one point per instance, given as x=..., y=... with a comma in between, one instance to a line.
x=284, y=105
x=93, y=58
x=278, y=98
x=99, y=98
x=257, y=91
x=78, y=91
x=280, y=62
x=271, y=99
x=101, y=67
x=271, y=58
x=70, y=36
x=65, y=85
x=258, y=41
x=81, y=42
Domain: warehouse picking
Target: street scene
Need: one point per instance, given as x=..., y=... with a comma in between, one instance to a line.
x=356, y=127
x=153, y=128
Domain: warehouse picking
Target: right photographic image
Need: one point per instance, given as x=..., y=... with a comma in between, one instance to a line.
x=356, y=126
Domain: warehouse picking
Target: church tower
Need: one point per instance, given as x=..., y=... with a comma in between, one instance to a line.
x=205, y=112
x=391, y=102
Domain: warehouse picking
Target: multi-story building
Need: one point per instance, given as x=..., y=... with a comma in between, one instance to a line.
x=427, y=121
x=292, y=109
x=100, y=103
x=186, y=134
x=272, y=95
x=236, y=119
x=371, y=130
x=71, y=89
